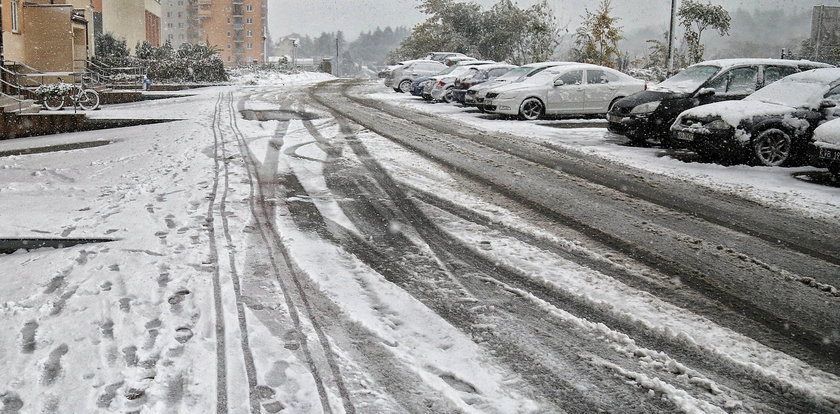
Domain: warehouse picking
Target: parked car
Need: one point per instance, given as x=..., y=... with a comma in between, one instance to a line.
x=418, y=85
x=562, y=90
x=401, y=77
x=650, y=113
x=475, y=95
x=441, y=88
x=827, y=143
x=459, y=68
x=482, y=74
x=441, y=56
x=771, y=127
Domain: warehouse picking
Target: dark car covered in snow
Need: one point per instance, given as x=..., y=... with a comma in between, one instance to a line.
x=771, y=127
x=650, y=113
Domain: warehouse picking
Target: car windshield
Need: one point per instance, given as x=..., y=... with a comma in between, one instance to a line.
x=688, y=80
x=795, y=94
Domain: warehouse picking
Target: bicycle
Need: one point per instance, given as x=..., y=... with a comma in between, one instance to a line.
x=87, y=99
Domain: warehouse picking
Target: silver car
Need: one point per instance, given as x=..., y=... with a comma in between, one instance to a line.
x=563, y=90
x=401, y=77
x=476, y=94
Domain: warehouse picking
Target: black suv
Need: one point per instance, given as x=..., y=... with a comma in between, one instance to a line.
x=650, y=113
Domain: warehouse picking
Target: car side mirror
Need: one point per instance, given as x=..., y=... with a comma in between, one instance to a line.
x=559, y=82
x=705, y=92
x=827, y=103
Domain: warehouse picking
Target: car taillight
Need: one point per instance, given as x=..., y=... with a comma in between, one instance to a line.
x=441, y=83
x=645, y=85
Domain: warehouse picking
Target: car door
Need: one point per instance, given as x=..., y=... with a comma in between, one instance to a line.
x=834, y=96
x=567, y=98
x=599, y=91
x=733, y=84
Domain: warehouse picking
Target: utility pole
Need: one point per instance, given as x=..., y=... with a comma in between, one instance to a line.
x=335, y=66
x=671, y=36
x=819, y=34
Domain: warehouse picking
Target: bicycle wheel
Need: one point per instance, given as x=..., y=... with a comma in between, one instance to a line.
x=89, y=100
x=54, y=102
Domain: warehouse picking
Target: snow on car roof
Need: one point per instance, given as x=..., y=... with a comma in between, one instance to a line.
x=824, y=76
x=726, y=63
x=545, y=64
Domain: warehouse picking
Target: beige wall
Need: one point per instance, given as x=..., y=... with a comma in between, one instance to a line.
x=126, y=20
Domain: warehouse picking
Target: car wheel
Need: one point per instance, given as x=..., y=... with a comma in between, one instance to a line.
x=531, y=109
x=405, y=86
x=397, y=90
x=772, y=147
x=447, y=96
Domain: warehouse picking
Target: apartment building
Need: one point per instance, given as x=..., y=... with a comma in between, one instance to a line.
x=48, y=35
x=178, y=21
x=134, y=21
x=235, y=27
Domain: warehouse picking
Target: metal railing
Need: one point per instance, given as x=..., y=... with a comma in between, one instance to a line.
x=101, y=73
x=12, y=86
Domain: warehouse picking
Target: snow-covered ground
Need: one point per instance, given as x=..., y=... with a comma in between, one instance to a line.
x=774, y=186
x=132, y=325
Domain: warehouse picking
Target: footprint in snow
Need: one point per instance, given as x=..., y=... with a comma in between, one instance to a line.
x=178, y=297
x=11, y=402
x=52, y=366
x=125, y=304
x=27, y=336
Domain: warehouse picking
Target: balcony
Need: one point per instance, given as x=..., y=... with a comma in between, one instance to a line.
x=204, y=14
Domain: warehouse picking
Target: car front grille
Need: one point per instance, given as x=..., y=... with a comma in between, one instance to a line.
x=492, y=95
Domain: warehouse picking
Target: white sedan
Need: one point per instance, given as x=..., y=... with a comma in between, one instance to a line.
x=563, y=90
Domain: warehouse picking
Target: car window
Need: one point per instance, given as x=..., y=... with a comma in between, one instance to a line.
x=574, y=77
x=742, y=80
x=774, y=73
x=493, y=73
x=738, y=81
x=596, y=77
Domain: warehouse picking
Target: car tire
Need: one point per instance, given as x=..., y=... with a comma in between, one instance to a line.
x=397, y=90
x=531, y=109
x=447, y=95
x=405, y=86
x=834, y=168
x=481, y=108
x=772, y=147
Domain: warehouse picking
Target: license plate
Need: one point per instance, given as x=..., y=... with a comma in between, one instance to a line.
x=685, y=136
x=614, y=118
x=829, y=154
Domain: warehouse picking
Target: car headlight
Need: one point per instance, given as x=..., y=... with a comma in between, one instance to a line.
x=718, y=124
x=646, y=108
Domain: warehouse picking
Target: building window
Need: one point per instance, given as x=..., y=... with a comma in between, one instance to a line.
x=249, y=20
x=228, y=19
x=249, y=8
x=250, y=45
x=228, y=33
x=14, y=14
x=250, y=33
x=228, y=46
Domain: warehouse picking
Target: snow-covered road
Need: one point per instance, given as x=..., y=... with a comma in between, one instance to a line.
x=299, y=247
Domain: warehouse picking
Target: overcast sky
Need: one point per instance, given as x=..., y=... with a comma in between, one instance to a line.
x=353, y=16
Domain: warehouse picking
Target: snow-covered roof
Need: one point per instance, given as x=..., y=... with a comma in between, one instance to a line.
x=726, y=63
x=824, y=76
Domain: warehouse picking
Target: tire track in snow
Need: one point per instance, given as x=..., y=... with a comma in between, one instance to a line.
x=247, y=354
x=771, y=381
x=263, y=215
x=221, y=358
x=783, y=325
